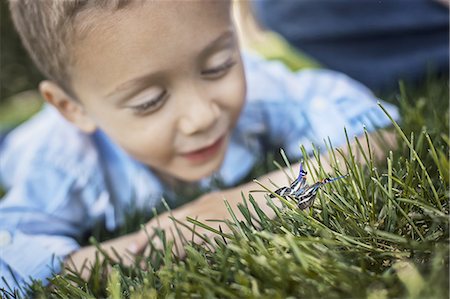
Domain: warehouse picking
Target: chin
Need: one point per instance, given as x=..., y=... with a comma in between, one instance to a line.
x=203, y=171
x=194, y=173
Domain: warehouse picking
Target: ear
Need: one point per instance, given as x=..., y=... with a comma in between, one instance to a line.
x=70, y=108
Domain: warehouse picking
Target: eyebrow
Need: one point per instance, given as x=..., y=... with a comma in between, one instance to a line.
x=147, y=77
x=221, y=38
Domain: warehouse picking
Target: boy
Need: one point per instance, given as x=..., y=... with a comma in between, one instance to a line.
x=146, y=96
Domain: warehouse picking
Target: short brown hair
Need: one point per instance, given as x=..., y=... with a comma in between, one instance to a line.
x=47, y=28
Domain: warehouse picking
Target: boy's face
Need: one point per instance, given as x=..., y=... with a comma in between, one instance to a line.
x=165, y=81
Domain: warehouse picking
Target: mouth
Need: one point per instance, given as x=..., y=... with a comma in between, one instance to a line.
x=206, y=152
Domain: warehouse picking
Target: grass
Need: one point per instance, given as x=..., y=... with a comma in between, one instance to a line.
x=382, y=232
x=19, y=108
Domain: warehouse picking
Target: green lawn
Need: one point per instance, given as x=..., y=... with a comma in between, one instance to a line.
x=383, y=232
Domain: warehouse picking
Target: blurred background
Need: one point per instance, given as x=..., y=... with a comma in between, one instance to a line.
x=18, y=76
x=376, y=42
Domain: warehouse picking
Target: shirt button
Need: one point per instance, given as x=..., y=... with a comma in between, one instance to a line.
x=5, y=238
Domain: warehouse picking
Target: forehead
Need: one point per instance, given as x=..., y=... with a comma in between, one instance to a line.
x=154, y=12
x=145, y=36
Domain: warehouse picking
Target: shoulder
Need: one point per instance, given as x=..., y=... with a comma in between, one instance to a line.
x=47, y=141
x=272, y=81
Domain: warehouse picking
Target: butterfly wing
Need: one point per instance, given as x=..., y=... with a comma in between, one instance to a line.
x=306, y=198
x=299, y=184
x=283, y=191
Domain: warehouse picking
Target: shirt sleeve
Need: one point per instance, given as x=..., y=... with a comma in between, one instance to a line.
x=42, y=215
x=309, y=107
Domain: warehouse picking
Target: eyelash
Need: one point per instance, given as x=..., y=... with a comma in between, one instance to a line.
x=218, y=70
x=147, y=106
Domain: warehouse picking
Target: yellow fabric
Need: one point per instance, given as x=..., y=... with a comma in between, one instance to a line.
x=273, y=46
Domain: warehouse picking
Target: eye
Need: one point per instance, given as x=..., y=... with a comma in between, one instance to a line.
x=219, y=70
x=151, y=105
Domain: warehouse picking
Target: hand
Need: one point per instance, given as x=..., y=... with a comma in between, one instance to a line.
x=207, y=207
x=123, y=249
x=126, y=248
x=210, y=206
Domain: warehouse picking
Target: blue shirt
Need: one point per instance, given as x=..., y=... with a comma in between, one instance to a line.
x=61, y=182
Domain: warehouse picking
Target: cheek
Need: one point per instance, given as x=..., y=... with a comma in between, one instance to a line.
x=148, y=139
x=236, y=92
x=152, y=146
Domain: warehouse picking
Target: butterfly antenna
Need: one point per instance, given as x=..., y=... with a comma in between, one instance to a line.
x=335, y=179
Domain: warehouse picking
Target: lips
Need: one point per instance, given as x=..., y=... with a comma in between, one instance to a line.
x=205, y=153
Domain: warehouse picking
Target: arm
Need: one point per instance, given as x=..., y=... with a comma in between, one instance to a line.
x=126, y=246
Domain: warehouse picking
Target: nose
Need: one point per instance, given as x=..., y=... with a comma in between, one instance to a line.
x=200, y=113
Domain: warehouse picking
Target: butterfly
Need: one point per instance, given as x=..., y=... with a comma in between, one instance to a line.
x=301, y=192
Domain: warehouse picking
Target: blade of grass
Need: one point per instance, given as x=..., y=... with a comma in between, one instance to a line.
x=400, y=209
x=288, y=164
x=405, y=139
